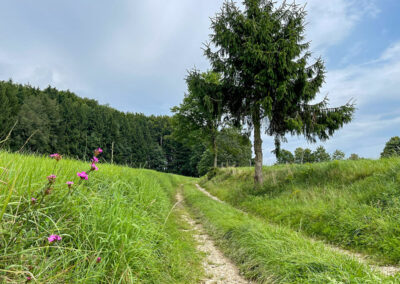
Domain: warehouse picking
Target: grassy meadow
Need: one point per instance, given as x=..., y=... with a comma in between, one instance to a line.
x=268, y=253
x=116, y=227
x=352, y=204
x=122, y=226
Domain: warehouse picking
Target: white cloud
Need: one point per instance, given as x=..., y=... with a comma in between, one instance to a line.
x=393, y=52
x=369, y=83
x=376, y=88
x=332, y=21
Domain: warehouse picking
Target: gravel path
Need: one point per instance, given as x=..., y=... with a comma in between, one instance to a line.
x=387, y=270
x=217, y=267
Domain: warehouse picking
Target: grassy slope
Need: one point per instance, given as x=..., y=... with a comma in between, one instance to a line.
x=120, y=214
x=273, y=254
x=353, y=204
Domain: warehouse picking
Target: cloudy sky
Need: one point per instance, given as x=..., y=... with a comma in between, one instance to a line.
x=133, y=55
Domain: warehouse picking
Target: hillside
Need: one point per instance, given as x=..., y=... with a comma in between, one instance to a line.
x=115, y=227
x=351, y=204
x=124, y=225
x=50, y=120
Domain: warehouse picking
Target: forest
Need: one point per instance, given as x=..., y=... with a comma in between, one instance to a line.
x=48, y=121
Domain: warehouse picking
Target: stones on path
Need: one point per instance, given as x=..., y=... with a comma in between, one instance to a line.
x=218, y=269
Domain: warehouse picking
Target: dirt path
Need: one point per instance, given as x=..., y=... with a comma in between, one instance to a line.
x=218, y=268
x=387, y=270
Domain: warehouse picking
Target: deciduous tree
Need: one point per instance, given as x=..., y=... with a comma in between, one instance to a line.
x=338, y=155
x=201, y=111
x=285, y=157
x=320, y=155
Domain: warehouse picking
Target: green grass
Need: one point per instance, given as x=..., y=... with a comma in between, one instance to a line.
x=352, y=204
x=269, y=253
x=120, y=214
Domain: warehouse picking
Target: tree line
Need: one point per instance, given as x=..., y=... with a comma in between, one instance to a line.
x=49, y=120
x=302, y=156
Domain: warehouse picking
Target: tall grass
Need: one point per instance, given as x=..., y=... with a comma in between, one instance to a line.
x=353, y=204
x=273, y=254
x=121, y=215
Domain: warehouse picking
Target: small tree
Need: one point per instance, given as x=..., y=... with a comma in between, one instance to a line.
x=234, y=149
x=354, y=157
x=261, y=54
x=302, y=156
x=299, y=155
x=392, y=148
x=200, y=113
x=308, y=156
x=320, y=155
x=285, y=157
x=338, y=155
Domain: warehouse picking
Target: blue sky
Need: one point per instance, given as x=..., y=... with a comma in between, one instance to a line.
x=133, y=55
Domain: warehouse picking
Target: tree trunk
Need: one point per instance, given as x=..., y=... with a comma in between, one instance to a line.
x=215, y=150
x=258, y=178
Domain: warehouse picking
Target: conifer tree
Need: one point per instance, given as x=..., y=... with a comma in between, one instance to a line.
x=267, y=78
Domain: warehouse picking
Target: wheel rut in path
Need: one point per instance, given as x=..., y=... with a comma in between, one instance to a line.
x=387, y=270
x=217, y=267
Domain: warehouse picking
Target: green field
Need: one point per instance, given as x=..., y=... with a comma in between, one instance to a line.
x=128, y=217
x=352, y=204
x=267, y=253
x=120, y=214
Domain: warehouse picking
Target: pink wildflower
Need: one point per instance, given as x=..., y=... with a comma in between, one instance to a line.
x=98, y=151
x=51, y=178
x=70, y=184
x=98, y=259
x=83, y=175
x=94, y=167
x=28, y=278
x=95, y=159
x=33, y=200
x=53, y=238
x=56, y=156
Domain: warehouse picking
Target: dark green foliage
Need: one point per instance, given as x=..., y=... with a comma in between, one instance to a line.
x=261, y=54
x=285, y=157
x=234, y=151
x=59, y=121
x=200, y=114
x=9, y=106
x=320, y=155
x=392, y=148
x=302, y=156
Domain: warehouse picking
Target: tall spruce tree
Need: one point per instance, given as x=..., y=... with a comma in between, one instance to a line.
x=261, y=54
